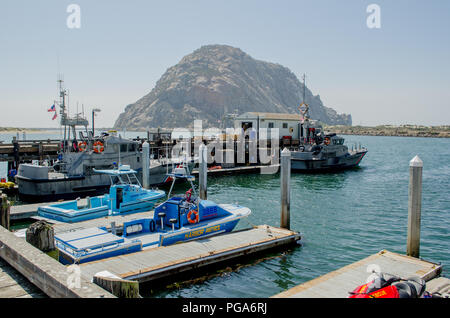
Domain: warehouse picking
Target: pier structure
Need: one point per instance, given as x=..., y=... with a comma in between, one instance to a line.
x=146, y=265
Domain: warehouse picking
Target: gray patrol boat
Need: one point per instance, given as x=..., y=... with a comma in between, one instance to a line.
x=73, y=174
x=321, y=151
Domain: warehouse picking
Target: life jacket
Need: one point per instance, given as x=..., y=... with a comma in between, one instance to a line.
x=389, y=286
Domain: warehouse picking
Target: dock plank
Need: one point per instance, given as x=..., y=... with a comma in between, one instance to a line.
x=13, y=284
x=43, y=271
x=339, y=283
x=162, y=261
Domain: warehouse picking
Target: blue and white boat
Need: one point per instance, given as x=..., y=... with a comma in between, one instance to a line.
x=177, y=220
x=126, y=195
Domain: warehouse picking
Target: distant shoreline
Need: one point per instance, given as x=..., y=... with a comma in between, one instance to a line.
x=382, y=130
x=396, y=131
x=14, y=129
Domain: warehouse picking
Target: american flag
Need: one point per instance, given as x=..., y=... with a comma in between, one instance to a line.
x=52, y=109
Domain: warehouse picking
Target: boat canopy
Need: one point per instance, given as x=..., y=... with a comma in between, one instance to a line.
x=123, y=170
x=117, y=176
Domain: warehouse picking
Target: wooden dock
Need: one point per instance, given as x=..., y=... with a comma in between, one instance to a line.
x=339, y=283
x=238, y=170
x=160, y=262
x=15, y=285
x=44, y=272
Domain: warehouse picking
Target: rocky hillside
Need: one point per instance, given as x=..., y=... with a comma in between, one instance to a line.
x=216, y=80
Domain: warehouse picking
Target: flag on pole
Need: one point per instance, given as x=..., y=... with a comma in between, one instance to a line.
x=52, y=109
x=54, y=116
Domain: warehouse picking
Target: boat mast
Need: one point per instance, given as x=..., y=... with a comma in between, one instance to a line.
x=62, y=108
x=304, y=112
x=66, y=121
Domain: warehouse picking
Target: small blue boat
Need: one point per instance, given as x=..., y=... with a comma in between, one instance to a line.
x=126, y=195
x=176, y=220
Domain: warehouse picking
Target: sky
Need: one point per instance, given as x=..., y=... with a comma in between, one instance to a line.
x=396, y=74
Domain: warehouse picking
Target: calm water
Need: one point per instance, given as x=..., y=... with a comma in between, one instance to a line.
x=343, y=217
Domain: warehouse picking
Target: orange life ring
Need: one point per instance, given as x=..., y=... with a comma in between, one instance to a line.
x=98, y=147
x=326, y=141
x=189, y=216
x=82, y=145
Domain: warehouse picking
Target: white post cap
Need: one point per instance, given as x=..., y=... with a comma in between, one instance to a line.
x=285, y=152
x=416, y=162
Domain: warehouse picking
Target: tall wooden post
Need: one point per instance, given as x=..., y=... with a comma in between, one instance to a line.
x=414, y=206
x=202, y=171
x=285, y=183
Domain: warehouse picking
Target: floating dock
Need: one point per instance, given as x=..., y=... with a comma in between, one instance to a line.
x=339, y=283
x=160, y=262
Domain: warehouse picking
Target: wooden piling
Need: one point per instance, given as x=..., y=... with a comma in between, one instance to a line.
x=117, y=286
x=203, y=172
x=414, y=206
x=41, y=235
x=5, y=212
x=285, y=184
x=146, y=165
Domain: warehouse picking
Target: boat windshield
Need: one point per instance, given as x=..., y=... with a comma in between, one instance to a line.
x=122, y=175
x=129, y=178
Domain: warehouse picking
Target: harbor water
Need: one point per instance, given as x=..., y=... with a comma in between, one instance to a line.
x=343, y=217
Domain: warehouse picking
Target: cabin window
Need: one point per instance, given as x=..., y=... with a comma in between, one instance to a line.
x=247, y=125
x=131, y=147
x=270, y=125
x=123, y=147
x=285, y=125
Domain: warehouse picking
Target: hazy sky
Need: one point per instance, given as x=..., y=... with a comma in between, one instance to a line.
x=396, y=74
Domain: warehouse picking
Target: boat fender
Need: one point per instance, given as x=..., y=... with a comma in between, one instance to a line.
x=152, y=226
x=189, y=216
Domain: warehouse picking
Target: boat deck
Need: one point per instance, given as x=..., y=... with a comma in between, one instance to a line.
x=339, y=283
x=119, y=220
x=159, y=262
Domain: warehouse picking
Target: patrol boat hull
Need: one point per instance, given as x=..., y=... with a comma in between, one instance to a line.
x=305, y=162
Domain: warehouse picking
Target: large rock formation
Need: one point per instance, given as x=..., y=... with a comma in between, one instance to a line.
x=216, y=80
